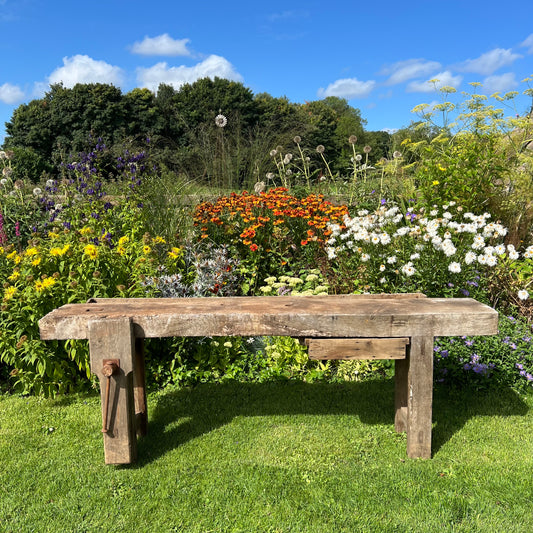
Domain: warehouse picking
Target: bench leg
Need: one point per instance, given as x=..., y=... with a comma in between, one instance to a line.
x=419, y=396
x=139, y=389
x=113, y=338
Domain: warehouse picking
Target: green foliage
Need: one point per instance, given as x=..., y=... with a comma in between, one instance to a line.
x=499, y=361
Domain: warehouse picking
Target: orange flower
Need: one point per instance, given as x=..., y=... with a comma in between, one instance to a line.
x=254, y=247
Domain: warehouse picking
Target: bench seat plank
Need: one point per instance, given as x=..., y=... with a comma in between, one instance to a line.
x=297, y=316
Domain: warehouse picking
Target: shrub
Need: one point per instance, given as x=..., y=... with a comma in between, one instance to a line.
x=503, y=360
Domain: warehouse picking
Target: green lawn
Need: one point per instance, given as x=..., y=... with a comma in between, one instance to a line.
x=276, y=457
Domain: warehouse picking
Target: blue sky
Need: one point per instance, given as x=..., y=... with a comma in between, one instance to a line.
x=377, y=55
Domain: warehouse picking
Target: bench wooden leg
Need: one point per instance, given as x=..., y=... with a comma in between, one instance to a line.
x=419, y=396
x=139, y=389
x=113, y=339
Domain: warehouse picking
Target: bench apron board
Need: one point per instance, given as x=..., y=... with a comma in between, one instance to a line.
x=400, y=327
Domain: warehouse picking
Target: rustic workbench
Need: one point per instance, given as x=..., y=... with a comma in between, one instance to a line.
x=400, y=327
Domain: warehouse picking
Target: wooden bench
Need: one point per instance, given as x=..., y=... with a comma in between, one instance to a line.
x=400, y=327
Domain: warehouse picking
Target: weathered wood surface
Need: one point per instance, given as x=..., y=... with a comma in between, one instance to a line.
x=113, y=339
x=357, y=348
x=297, y=316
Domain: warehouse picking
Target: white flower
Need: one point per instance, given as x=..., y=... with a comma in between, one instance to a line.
x=221, y=121
x=454, y=267
x=415, y=256
x=447, y=215
x=228, y=344
x=37, y=191
x=383, y=280
x=434, y=213
x=365, y=257
x=514, y=255
x=385, y=238
x=391, y=260
x=470, y=257
x=523, y=294
x=500, y=249
x=492, y=260
x=382, y=268
x=408, y=269
x=401, y=231
x=479, y=242
x=448, y=248
x=528, y=254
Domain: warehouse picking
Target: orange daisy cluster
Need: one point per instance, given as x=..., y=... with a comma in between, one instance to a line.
x=255, y=220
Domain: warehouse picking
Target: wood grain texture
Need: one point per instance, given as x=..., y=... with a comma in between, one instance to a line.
x=357, y=348
x=113, y=339
x=313, y=316
x=419, y=397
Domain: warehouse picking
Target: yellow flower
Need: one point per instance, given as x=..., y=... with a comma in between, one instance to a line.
x=60, y=251
x=123, y=240
x=9, y=293
x=36, y=261
x=121, y=250
x=53, y=235
x=175, y=253
x=436, y=182
x=1, y=250
x=31, y=252
x=146, y=250
x=46, y=283
x=441, y=168
x=91, y=251
x=158, y=240
x=86, y=230
x=14, y=276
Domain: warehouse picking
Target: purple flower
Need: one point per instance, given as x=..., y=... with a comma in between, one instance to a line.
x=519, y=366
x=529, y=377
x=383, y=201
x=469, y=343
x=444, y=353
x=465, y=292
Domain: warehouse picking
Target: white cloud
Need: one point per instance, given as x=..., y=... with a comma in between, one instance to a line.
x=213, y=66
x=83, y=69
x=489, y=62
x=348, y=88
x=500, y=84
x=11, y=94
x=445, y=78
x=409, y=69
x=162, y=45
x=528, y=43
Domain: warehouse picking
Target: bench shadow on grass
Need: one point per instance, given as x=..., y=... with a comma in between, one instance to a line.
x=177, y=417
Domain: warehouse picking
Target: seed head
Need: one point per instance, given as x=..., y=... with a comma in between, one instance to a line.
x=367, y=149
x=221, y=121
x=352, y=139
x=297, y=139
x=320, y=149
